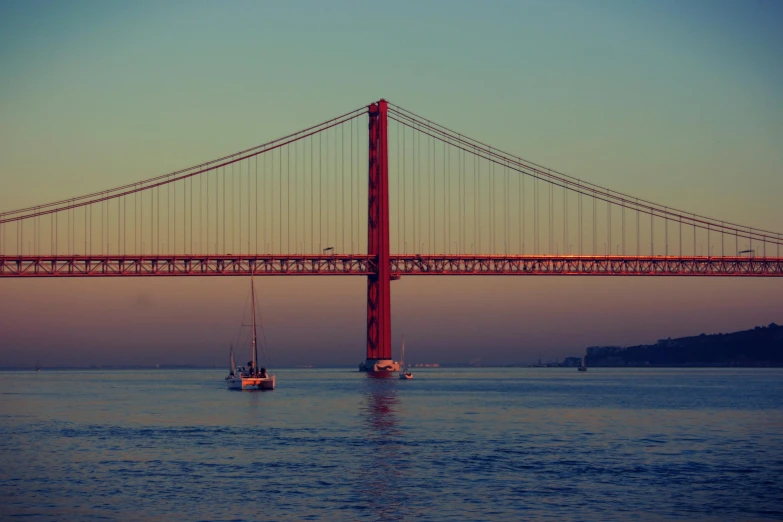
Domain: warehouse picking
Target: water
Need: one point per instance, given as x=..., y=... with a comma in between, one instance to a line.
x=483, y=444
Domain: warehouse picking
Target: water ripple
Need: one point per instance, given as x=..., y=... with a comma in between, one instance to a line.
x=476, y=445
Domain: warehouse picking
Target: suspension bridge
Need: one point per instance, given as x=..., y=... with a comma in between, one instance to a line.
x=378, y=192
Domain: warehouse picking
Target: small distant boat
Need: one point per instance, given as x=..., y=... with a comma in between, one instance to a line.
x=37, y=366
x=405, y=373
x=250, y=377
x=582, y=367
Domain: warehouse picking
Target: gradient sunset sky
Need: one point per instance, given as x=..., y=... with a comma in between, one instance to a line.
x=676, y=102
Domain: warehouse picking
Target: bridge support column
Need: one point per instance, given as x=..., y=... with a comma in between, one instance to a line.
x=379, y=352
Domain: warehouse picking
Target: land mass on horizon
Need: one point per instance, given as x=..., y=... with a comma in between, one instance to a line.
x=759, y=347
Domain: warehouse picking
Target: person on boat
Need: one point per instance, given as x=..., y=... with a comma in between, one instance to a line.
x=250, y=369
x=263, y=373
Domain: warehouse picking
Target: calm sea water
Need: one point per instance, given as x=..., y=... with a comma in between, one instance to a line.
x=484, y=444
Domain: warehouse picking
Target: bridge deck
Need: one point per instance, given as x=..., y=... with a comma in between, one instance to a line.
x=362, y=265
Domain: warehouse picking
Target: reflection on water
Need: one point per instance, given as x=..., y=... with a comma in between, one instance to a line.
x=381, y=407
x=382, y=467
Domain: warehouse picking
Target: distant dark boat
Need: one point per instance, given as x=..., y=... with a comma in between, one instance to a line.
x=404, y=373
x=37, y=366
x=582, y=366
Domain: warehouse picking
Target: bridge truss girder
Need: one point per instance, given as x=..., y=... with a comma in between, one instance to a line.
x=586, y=265
x=183, y=265
x=400, y=265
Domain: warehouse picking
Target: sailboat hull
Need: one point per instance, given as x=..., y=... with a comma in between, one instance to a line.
x=251, y=383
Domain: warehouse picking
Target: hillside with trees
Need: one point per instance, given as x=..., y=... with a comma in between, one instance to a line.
x=761, y=346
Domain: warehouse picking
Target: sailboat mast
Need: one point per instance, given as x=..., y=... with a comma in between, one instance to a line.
x=253, y=311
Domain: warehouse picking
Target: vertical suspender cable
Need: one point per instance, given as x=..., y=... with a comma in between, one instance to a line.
x=431, y=189
x=462, y=212
x=328, y=221
x=579, y=203
x=207, y=248
x=320, y=195
x=447, y=187
x=595, y=225
x=507, y=211
x=342, y=186
x=153, y=248
x=280, y=188
x=158, y=221
x=288, y=194
x=312, y=200
x=491, y=207
x=224, y=211
x=609, y=227
x=445, y=218
x=399, y=190
x=551, y=217
x=666, y=231
x=335, y=190
x=138, y=223
x=652, y=243
x=191, y=215
x=249, y=207
x=535, y=216
x=417, y=194
x=353, y=250
x=522, y=212
x=475, y=201
x=565, y=221
x=231, y=211
x=622, y=227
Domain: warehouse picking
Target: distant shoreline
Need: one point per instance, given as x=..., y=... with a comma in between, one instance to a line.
x=757, y=348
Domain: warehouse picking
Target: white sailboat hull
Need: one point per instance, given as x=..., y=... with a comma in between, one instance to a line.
x=251, y=383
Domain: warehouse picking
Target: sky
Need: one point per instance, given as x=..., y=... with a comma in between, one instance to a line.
x=675, y=102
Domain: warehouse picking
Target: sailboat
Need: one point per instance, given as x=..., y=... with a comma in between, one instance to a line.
x=582, y=366
x=232, y=362
x=250, y=377
x=405, y=373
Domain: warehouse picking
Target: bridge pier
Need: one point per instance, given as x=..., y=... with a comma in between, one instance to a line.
x=379, y=349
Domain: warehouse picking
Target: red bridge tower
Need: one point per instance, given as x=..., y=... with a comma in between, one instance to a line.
x=379, y=348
